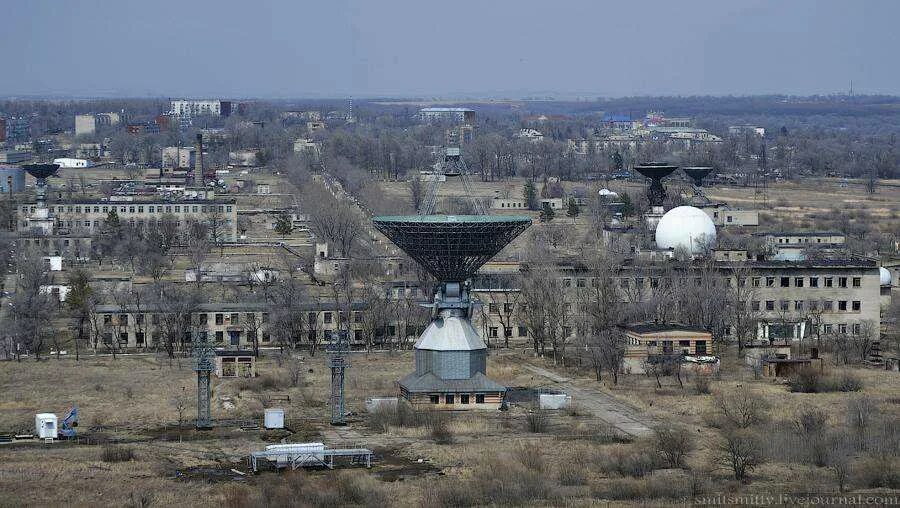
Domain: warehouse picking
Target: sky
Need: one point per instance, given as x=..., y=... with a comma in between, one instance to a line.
x=444, y=49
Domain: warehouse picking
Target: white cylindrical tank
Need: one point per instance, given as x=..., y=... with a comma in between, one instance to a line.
x=274, y=419
x=686, y=227
x=46, y=426
x=885, y=276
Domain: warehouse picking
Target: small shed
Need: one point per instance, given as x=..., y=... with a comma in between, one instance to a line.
x=274, y=418
x=45, y=426
x=787, y=367
x=235, y=363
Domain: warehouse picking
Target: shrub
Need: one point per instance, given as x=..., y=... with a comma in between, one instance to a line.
x=674, y=444
x=742, y=410
x=812, y=427
x=811, y=380
x=807, y=380
x=450, y=495
x=880, y=471
x=635, y=462
x=701, y=384
x=531, y=458
x=113, y=453
x=653, y=487
x=740, y=451
x=571, y=474
x=537, y=421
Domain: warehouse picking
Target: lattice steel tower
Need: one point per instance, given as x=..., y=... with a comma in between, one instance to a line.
x=337, y=352
x=203, y=364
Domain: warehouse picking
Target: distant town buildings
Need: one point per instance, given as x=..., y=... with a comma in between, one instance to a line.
x=465, y=115
x=90, y=123
x=179, y=157
x=737, y=130
x=531, y=135
x=15, y=129
x=194, y=107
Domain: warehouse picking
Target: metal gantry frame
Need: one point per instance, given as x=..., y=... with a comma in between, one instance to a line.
x=452, y=164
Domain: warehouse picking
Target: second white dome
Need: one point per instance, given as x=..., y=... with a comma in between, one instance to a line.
x=687, y=227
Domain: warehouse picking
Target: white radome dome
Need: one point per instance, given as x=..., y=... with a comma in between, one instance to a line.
x=885, y=275
x=686, y=227
x=607, y=192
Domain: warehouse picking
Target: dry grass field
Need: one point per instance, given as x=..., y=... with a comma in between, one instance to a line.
x=132, y=452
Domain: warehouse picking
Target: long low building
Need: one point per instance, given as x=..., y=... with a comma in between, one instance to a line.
x=88, y=215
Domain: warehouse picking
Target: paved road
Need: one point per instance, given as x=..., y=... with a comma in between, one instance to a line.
x=605, y=407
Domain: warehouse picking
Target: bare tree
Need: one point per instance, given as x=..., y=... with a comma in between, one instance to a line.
x=30, y=305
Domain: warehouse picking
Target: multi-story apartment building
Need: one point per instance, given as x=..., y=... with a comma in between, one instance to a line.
x=235, y=325
x=789, y=300
x=88, y=124
x=88, y=215
x=188, y=107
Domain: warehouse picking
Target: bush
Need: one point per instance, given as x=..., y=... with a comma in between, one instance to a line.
x=653, y=487
x=257, y=384
x=674, y=444
x=701, y=384
x=881, y=471
x=449, y=494
x=740, y=451
x=113, y=453
x=571, y=474
x=630, y=462
x=811, y=380
x=537, y=421
x=741, y=410
x=531, y=458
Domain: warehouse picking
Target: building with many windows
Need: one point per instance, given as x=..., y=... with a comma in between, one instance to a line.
x=86, y=216
x=189, y=107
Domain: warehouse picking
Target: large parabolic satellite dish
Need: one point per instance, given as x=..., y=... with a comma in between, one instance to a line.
x=451, y=247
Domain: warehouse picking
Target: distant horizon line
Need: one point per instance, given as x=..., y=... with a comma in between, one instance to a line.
x=534, y=97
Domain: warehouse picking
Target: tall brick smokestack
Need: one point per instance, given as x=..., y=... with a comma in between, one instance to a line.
x=198, y=158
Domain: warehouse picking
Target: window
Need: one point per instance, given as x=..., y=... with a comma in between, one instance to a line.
x=857, y=282
x=770, y=304
x=123, y=319
x=507, y=308
x=857, y=328
x=220, y=319
x=783, y=305
x=857, y=305
x=580, y=283
x=842, y=305
x=828, y=305
x=567, y=331
x=842, y=282
x=798, y=282
x=798, y=304
x=235, y=319
x=756, y=282
x=434, y=399
x=667, y=347
x=202, y=318
x=700, y=347
x=492, y=308
x=785, y=282
x=523, y=331
x=479, y=398
x=684, y=343
x=464, y=398
x=829, y=282
x=311, y=319
x=448, y=398
x=139, y=319
x=770, y=282
x=754, y=305
x=813, y=282
x=842, y=328
x=327, y=318
x=220, y=336
x=826, y=328
x=139, y=338
x=492, y=332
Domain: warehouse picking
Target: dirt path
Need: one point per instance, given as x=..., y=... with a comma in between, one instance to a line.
x=605, y=407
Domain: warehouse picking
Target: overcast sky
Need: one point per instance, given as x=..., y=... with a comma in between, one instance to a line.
x=336, y=48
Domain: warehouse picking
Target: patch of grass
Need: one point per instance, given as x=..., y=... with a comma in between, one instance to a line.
x=115, y=453
x=537, y=421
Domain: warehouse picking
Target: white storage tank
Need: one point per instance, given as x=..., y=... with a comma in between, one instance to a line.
x=553, y=400
x=274, y=419
x=46, y=425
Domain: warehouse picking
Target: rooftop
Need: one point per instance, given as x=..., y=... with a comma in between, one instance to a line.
x=662, y=327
